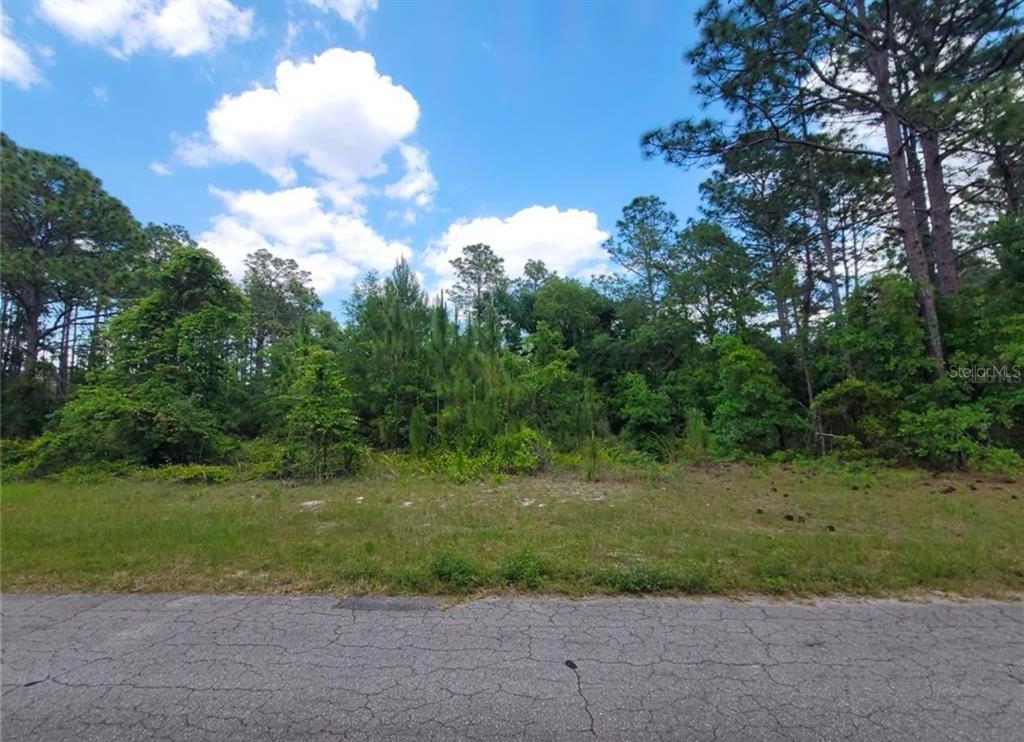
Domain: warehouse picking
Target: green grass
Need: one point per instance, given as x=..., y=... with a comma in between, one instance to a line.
x=717, y=529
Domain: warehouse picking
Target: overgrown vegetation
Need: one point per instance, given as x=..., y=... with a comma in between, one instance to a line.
x=830, y=299
x=803, y=528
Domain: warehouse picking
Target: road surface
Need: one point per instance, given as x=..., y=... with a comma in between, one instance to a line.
x=222, y=667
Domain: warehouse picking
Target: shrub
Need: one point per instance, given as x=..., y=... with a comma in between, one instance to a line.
x=993, y=460
x=697, y=437
x=944, y=438
x=522, y=568
x=523, y=452
x=455, y=569
x=148, y=425
x=857, y=414
x=14, y=452
x=696, y=579
x=192, y=474
x=262, y=458
x=644, y=413
x=319, y=421
x=458, y=465
x=751, y=412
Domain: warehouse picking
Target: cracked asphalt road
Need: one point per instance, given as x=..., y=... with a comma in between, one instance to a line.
x=207, y=667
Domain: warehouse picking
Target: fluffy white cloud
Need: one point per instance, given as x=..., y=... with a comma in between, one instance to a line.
x=567, y=241
x=124, y=27
x=333, y=246
x=418, y=183
x=354, y=11
x=16, y=65
x=159, y=168
x=337, y=114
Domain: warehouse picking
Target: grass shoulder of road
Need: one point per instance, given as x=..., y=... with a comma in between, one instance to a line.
x=717, y=529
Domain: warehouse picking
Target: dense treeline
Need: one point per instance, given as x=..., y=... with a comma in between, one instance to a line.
x=831, y=298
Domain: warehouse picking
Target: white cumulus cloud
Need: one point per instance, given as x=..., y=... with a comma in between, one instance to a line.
x=125, y=27
x=16, y=65
x=336, y=114
x=333, y=246
x=567, y=241
x=355, y=12
x=418, y=183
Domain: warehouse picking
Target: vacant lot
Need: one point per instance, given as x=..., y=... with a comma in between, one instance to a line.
x=723, y=529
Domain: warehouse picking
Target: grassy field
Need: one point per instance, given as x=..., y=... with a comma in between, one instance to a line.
x=717, y=529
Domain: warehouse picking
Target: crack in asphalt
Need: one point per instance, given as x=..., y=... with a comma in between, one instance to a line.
x=85, y=668
x=579, y=689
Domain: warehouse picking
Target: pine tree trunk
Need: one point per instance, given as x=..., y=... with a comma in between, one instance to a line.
x=917, y=191
x=32, y=314
x=917, y=262
x=942, y=226
x=826, y=243
x=65, y=340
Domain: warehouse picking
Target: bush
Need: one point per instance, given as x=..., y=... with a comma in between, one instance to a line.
x=319, y=421
x=993, y=460
x=524, y=452
x=696, y=579
x=191, y=474
x=261, y=458
x=147, y=425
x=644, y=413
x=751, y=411
x=857, y=414
x=697, y=437
x=522, y=568
x=457, y=465
x=14, y=452
x=455, y=569
x=944, y=438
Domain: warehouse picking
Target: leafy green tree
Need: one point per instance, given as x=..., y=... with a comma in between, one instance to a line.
x=319, y=419
x=168, y=392
x=63, y=238
x=750, y=411
x=279, y=298
x=644, y=413
x=643, y=244
x=480, y=279
x=69, y=250
x=714, y=279
x=386, y=354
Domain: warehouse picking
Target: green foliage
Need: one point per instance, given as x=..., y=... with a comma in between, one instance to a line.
x=857, y=415
x=697, y=436
x=695, y=579
x=644, y=413
x=148, y=424
x=319, y=422
x=751, y=413
x=192, y=474
x=418, y=432
x=524, y=451
x=455, y=569
x=944, y=438
x=458, y=465
x=883, y=336
x=27, y=401
x=523, y=569
x=263, y=458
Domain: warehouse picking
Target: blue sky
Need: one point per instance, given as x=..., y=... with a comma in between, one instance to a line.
x=346, y=133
